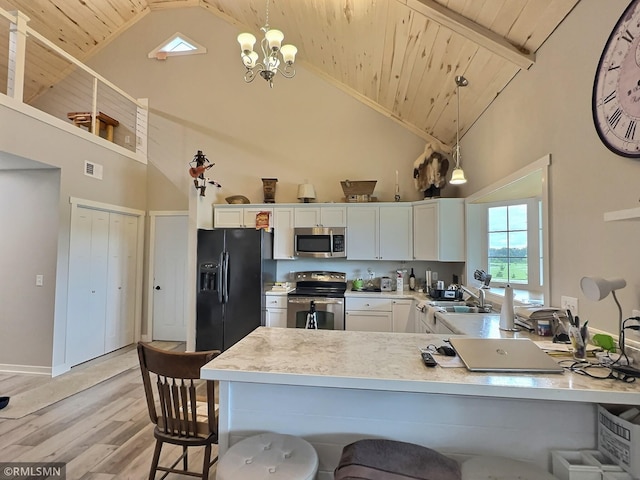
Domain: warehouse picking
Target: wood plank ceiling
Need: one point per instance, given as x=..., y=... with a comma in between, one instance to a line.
x=398, y=56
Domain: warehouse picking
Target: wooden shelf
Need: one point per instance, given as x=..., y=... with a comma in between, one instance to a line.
x=628, y=214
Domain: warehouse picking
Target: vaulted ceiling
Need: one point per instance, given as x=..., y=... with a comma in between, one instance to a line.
x=400, y=57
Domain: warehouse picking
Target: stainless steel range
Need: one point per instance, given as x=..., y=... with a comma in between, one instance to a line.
x=322, y=292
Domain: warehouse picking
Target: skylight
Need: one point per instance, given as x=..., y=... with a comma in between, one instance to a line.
x=177, y=44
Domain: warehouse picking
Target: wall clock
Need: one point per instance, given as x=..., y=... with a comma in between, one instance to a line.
x=616, y=88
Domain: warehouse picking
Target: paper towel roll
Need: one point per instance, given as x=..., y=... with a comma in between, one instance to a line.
x=506, y=312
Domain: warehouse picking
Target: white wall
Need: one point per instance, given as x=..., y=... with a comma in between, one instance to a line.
x=547, y=109
x=301, y=129
x=28, y=246
x=26, y=138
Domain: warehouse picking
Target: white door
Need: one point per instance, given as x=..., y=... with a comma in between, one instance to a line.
x=87, y=295
x=169, y=274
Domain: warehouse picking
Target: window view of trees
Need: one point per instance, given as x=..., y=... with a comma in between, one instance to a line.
x=508, y=249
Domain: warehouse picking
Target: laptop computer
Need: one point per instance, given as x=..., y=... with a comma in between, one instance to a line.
x=515, y=355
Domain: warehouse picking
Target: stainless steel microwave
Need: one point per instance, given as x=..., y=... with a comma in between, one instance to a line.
x=320, y=242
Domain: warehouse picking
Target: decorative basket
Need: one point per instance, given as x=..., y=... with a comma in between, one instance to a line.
x=358, y=187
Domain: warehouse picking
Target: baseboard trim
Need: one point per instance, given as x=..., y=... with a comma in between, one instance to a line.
x=29, y=369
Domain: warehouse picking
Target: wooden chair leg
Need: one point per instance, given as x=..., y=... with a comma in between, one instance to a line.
x=184, y=459
x=207, y=462
x=156, y=459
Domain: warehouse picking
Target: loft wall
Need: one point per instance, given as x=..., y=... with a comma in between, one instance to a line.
x=26, y=139
x=547, y=109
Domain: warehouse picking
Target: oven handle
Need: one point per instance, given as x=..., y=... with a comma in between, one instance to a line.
x=317, y=300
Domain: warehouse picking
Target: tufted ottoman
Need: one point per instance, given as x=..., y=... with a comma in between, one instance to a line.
x=269, y=456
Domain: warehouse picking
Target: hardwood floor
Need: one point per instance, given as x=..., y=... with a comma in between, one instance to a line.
x=101, y=433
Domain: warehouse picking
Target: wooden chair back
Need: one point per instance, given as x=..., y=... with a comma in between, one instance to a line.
x=174, y=406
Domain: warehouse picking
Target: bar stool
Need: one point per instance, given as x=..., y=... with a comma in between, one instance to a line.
x=269, y=455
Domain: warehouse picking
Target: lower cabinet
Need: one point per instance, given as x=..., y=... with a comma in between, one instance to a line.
x=403, y=321
x=276, y=311
x=368, y=314
x=441, y=327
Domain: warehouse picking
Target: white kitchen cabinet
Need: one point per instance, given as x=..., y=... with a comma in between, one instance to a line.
x=402, y=313
x=438, y=230
x=365, y=314
x=441, y=327
x=276, y=309
x=320, y=216
x=238, y=217
x=422, y=325
x=283, y=218
x=377, y=232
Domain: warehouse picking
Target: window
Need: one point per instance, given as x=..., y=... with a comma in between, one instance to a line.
x=177, y=44
x=507, y=233
x=513, y=243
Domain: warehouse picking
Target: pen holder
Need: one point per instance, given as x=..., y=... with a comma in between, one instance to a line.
x=577, y=343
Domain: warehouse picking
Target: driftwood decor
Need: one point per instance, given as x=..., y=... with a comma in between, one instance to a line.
x=430, y=171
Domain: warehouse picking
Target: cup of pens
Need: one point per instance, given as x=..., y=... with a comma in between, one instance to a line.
x=579, y=336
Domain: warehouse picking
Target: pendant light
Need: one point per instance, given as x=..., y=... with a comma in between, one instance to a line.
x=457, y=176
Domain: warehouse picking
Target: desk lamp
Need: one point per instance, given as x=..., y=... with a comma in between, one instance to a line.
x=597, y=288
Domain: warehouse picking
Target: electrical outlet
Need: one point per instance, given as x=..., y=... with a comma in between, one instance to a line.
x=569, y=303
x=39, y=280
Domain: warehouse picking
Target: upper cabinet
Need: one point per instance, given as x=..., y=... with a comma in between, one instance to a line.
x=438, y=230
x=379, y=232
x=316, y=216
x=282, y=222
x=238, y=217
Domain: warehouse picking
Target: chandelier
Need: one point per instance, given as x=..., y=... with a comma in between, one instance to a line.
x=271, y=47
x=457, y=176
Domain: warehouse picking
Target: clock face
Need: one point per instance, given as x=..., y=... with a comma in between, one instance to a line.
x=616, y=89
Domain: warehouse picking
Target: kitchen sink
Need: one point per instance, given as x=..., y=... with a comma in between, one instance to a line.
x=461, y=309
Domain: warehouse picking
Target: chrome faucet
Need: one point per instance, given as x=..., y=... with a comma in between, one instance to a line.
x=479, y=298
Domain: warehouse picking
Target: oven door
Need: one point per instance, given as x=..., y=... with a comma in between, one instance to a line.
x=329, y=312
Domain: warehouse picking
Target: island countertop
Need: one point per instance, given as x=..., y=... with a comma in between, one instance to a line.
x=391, y=362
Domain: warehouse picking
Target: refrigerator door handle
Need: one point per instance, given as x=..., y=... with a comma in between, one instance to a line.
x=225, y=277
x=220, y=279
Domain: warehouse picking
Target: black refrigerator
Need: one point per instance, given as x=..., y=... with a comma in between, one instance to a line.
x=234, y=264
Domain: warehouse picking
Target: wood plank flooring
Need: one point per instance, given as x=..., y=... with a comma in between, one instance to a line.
x=101, y=433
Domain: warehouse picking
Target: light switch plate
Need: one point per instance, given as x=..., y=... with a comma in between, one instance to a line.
x=569, y=303
x=39, y=280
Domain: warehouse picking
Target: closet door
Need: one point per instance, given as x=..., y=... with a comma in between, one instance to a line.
x=121, y=276
x=87, y=295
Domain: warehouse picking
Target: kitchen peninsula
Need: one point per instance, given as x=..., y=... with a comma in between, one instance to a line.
x=333, y=387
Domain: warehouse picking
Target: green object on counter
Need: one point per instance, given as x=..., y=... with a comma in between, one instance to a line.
x=604, y=341
x=357, y=284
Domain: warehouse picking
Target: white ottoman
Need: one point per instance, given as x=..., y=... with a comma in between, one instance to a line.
x=269, y=456
x=501, y=468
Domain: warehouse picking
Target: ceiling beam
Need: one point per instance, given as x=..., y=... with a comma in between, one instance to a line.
x=166, y=4
x=472, y=31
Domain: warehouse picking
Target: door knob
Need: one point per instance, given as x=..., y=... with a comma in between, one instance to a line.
x=158, y=287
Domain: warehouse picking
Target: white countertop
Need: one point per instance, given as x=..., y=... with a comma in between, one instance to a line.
x=390, y=362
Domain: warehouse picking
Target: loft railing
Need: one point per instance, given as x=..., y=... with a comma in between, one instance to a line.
x=63, y=86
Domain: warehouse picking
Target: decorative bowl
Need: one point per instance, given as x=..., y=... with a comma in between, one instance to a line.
x=237, y=199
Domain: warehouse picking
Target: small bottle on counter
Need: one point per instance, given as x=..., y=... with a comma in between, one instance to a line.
x=399, y=282
x=412, y=281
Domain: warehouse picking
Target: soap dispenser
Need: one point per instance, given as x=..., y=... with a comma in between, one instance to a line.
x=506, y=311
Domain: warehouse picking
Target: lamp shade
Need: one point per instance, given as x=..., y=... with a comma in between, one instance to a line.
x=306, y=192
x=457, y=177
x=597, y=288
